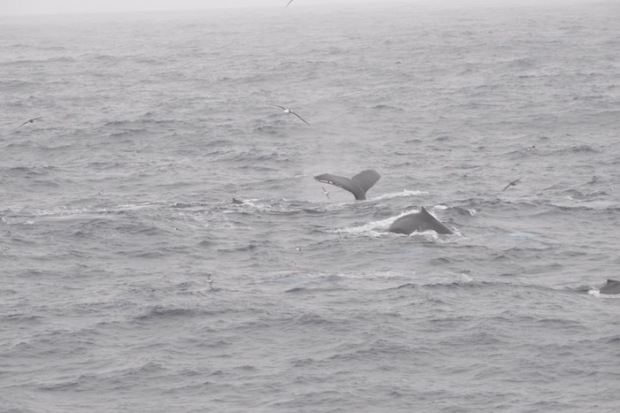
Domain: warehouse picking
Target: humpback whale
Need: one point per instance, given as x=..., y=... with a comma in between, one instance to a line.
x=358, y=185
x=418, y=222
x=611, y=287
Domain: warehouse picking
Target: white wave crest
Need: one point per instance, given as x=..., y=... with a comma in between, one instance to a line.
x=405, y=193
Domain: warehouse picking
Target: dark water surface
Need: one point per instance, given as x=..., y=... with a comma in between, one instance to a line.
x=131, y=282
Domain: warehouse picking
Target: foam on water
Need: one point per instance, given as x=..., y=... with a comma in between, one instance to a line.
x=596, y=293
x=406, y=193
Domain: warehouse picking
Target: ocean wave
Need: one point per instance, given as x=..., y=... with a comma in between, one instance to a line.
x=257, y=160
x=27, y=62
x=12, y=84
x=405, y=193
x=121, y=123
x=308, y=290
x=269, y=130
x=168, y=312
x=374, y=229
x=101, y=58
x=578, y=149
x=279, y=207
x=160, y=311
x=522, y=63
x=388, y=107
x=474, y=285
x=27, y=171
x=461, y=211
x=312, y=320
x=584, y=196
x=20, y=318
x=379, y=348
x=249, y=247
x=596, y=293
x=35, y=47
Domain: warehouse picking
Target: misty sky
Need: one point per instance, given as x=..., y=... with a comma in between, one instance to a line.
x=16, y=7
x=12, y=7
x=9, y=7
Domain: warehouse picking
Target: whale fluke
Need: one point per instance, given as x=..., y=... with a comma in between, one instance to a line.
x=418, y=222
x=358, y=185
x=611, y=287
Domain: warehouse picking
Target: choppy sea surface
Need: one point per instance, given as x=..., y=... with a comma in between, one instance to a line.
x=130, y=281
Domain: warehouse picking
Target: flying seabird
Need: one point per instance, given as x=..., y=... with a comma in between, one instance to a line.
x=29, y=121
x=513, y=183
x=326, y=193
x=291, y=112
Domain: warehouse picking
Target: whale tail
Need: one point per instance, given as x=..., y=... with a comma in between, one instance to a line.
x=358, y=185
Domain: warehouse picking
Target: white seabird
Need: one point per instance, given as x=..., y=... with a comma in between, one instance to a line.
x=286, y=110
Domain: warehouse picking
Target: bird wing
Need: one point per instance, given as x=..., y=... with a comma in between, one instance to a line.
x=516, y=181
x=287, y=4
x=278, y=106
x=300, y=118
x=30, y=121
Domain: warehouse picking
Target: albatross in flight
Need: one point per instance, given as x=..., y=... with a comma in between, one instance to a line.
x=513, y=183
x=29, y=121
x=291, y=112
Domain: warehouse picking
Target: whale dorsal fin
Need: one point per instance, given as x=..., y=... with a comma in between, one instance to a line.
x=425, y=212
x=358, y=185
x=610, y=287
x=418, y=222
x=434, y=223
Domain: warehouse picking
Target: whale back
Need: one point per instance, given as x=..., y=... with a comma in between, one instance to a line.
x=358, y=185
x=611, y=287
x=418, y=222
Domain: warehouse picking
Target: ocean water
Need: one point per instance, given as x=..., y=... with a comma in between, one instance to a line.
x=131, y=282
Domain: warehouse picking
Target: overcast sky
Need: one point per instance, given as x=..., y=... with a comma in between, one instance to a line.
x=12, y=7
x=9, y=7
